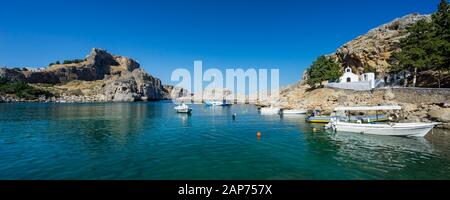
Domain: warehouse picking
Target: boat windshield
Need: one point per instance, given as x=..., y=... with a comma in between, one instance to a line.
x=376, y=114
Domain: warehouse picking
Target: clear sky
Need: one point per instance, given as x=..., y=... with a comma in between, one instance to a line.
x=165, y=35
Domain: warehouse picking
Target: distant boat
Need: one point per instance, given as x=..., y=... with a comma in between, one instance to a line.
x=390, y=129
x=295, y=112
x=270, y=111
x=183, y=108
x=318, y=119
x=217, y=103
x=315, y=117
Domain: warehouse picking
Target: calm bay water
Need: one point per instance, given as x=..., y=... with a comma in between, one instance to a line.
x=151, y=141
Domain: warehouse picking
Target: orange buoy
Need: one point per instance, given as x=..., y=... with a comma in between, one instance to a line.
x=258, y=134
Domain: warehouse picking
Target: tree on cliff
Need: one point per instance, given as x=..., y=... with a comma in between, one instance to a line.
x=55, y=63
x=323, y=69
x=441, y=57
x=427, y=47
x=414, y=51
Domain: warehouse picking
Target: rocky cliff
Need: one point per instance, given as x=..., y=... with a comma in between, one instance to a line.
x=12, y=75
x=99, y=77
x=374, y=49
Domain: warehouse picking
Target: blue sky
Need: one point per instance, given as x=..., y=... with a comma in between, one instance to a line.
x=165, y=35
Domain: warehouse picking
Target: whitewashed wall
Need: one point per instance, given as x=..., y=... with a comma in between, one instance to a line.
x=359, y=86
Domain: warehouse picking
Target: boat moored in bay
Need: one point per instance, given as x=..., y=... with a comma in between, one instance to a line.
x=295, y=112
x=270, y=111
x=390, y=128
x=218, y=103
x=183, y=108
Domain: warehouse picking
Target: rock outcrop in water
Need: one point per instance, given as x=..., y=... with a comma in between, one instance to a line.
x=99, y=77
x=175, y=92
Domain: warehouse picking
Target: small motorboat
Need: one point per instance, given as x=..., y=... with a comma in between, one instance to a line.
x=183, y=108
x=218, y=103
x=315, y=117
x=390, y=128
x=270, y=111
x=295, y=112
x=213, y=103
x=319, y=119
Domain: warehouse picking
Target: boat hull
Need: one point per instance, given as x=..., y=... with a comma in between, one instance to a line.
x=320, y=119
x=400, y=129
x=270, y=111
x=294, y=112
x=185, y=110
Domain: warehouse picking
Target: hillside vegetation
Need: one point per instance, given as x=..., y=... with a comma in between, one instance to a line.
x=414, y=48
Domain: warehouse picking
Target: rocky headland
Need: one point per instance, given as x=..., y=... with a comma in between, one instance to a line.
x=100, y=77
x=375, y=48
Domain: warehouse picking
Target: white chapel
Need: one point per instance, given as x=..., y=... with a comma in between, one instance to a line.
x=348, y=76
x=352, y=81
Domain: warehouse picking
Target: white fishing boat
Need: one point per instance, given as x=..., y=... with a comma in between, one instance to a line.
x=295, y=112
x=389, y=129
x=183, y=108
x=270, y=111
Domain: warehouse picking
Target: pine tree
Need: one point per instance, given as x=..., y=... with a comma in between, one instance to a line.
x=417, y=46
x=427, y=47
x=441, y=43
x=323, y=69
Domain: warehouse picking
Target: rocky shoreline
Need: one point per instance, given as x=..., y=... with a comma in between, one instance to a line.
x=419, y=104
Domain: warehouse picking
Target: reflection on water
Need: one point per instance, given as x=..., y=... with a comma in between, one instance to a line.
x=381, y=154
x=99, y=123
x=185, y=118
x=385, y=157
x=152, y=141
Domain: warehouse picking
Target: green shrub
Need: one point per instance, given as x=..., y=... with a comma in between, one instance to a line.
x=3, y=81
x=73, y=61
x=323, y=69
x=22, y=90
x=55, y=63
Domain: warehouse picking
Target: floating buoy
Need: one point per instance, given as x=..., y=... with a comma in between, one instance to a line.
x=258, y=134
x=234, y=116
x=314, y=129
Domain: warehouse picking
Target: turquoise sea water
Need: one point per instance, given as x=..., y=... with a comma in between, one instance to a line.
x=151, y=141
